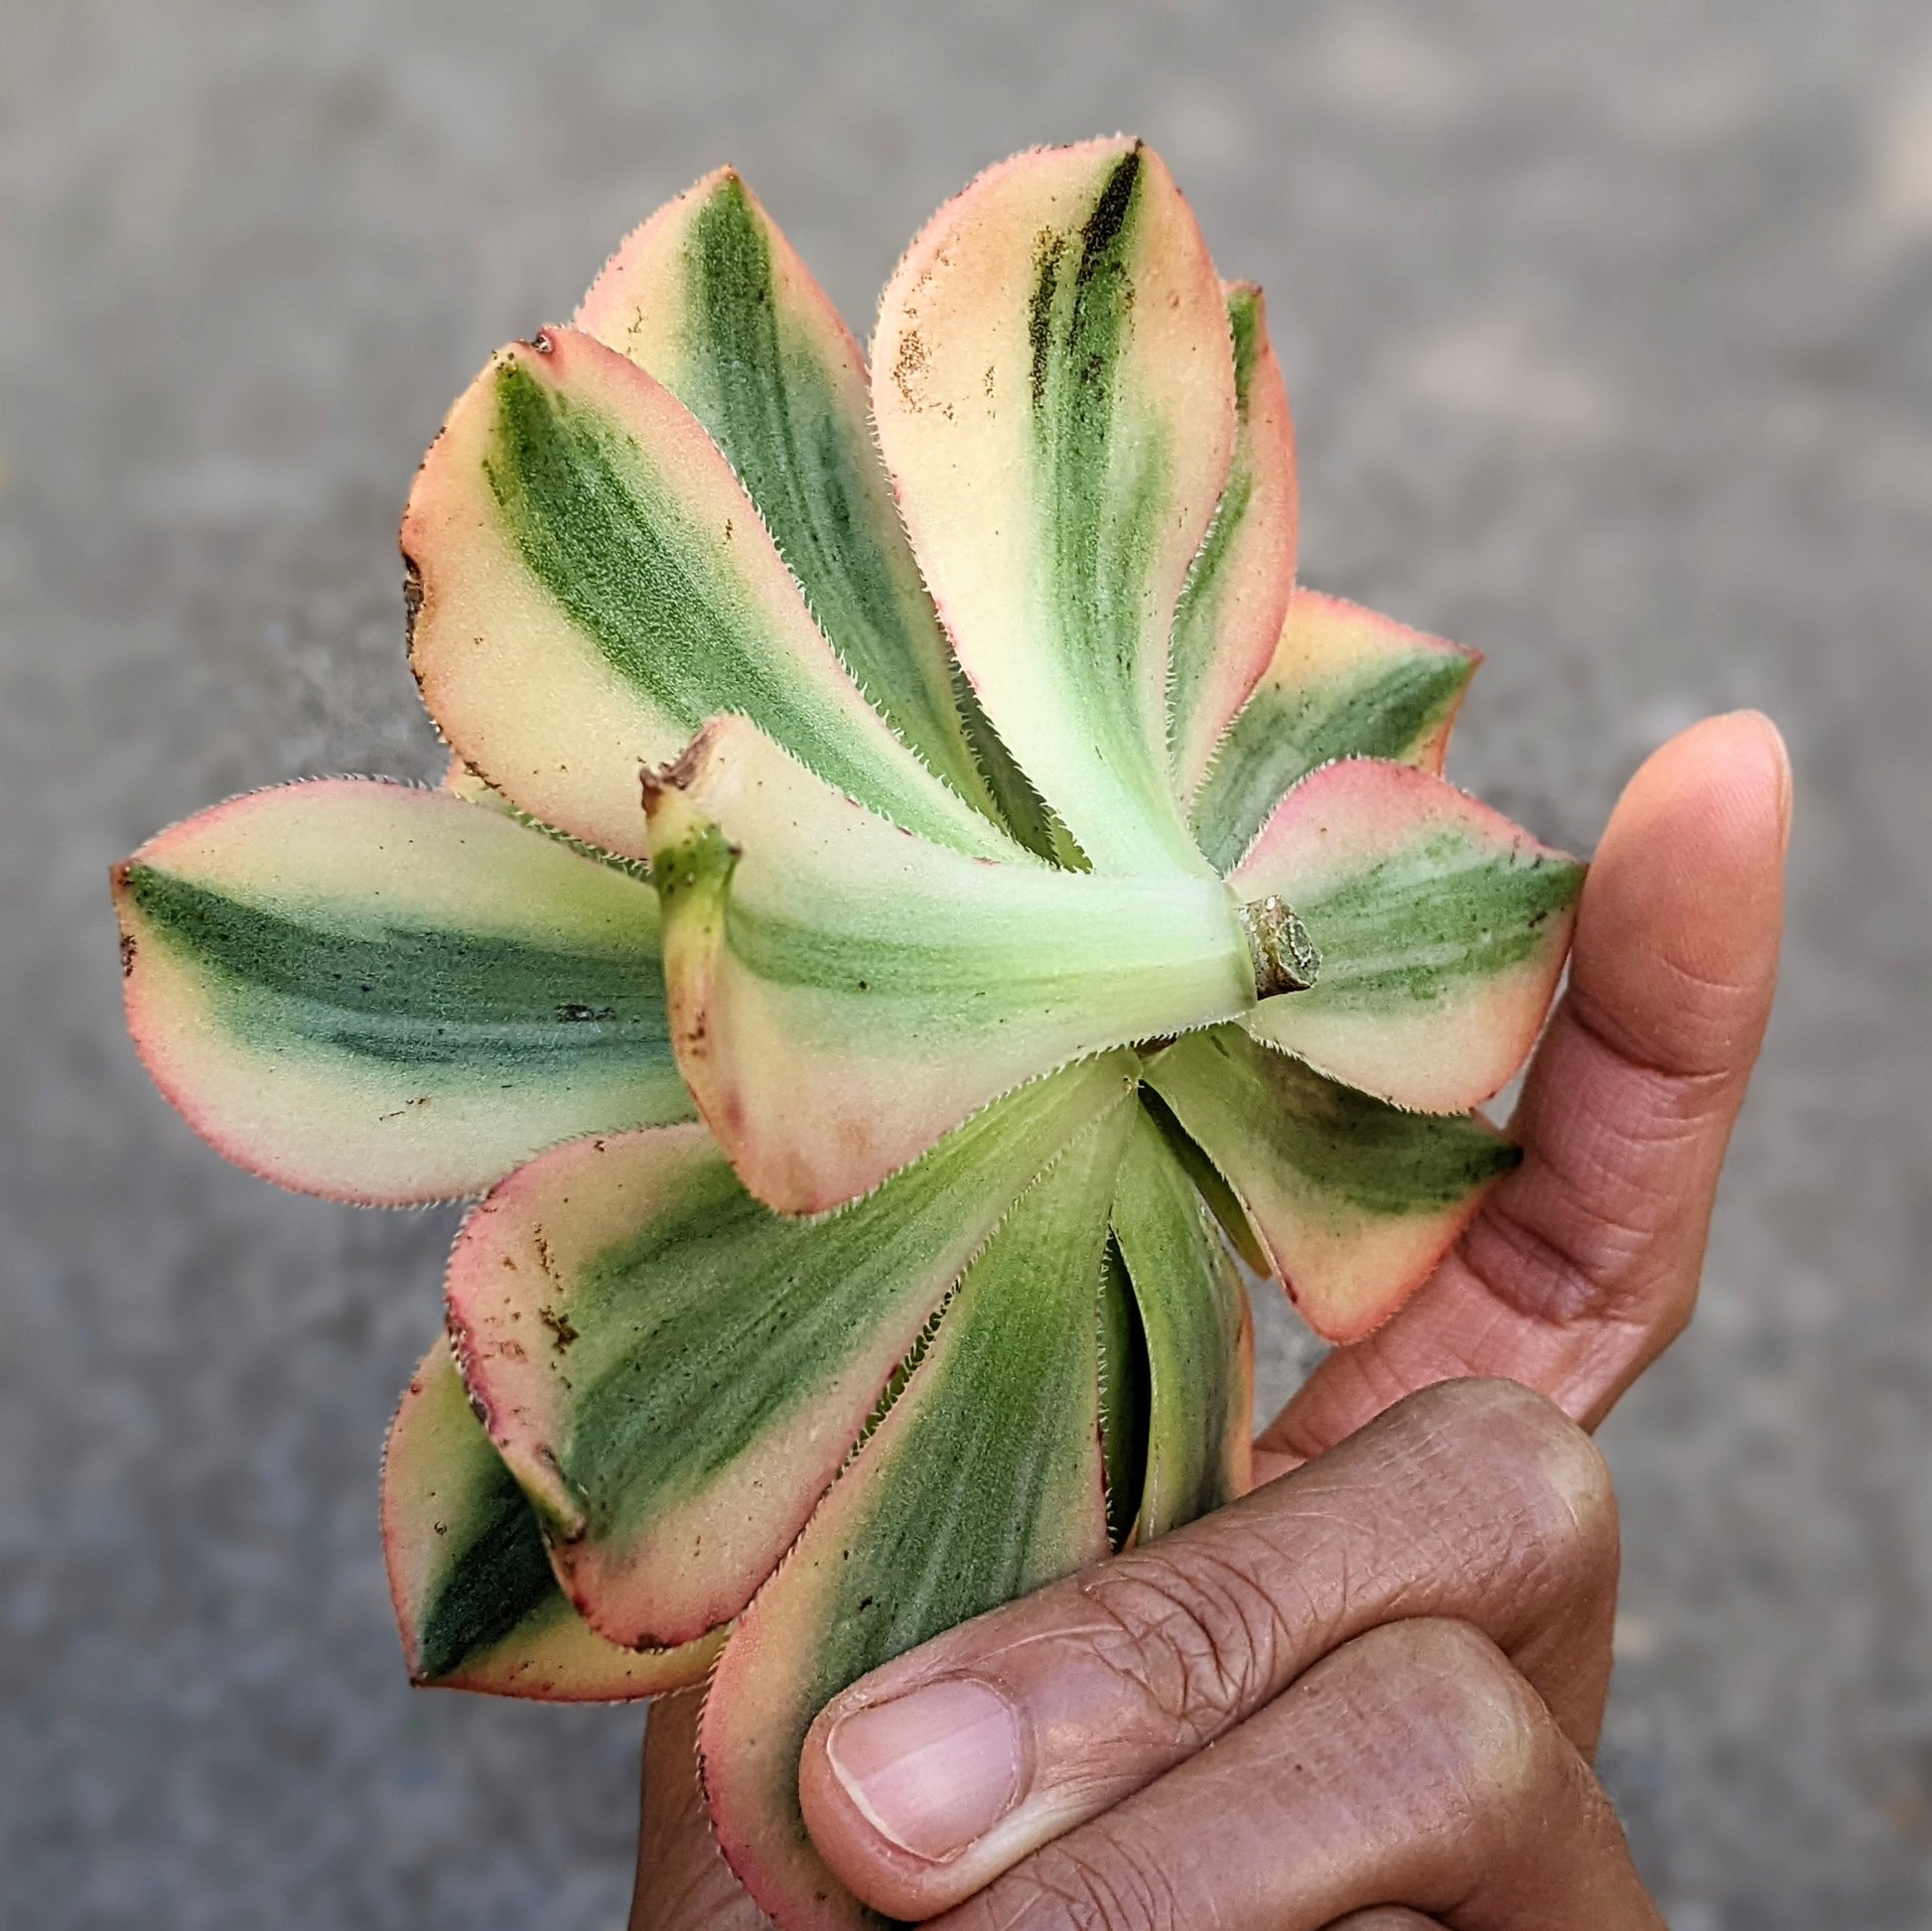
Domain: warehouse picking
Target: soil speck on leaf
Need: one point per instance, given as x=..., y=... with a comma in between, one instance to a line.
x=908, y=365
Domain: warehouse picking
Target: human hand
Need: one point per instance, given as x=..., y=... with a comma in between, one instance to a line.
x=1399, y=1653
x=1377, y=1678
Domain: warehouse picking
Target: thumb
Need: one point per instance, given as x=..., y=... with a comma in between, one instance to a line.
x=1583, y=1266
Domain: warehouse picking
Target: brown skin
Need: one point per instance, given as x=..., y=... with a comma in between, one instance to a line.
x=1365, y=1697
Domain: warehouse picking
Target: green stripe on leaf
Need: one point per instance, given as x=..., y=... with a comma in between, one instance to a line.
x=720, y=1360
x=1192, y=1311
x=1279, y=738
x=613, y=546
x=496, y=1580
x=336, y=979
x=1101, y=464
x=1354, y=1200
x=367, y=989
x=593, y=582
x=1024, y=813
x=1442, y=929
x=791, y=415
x=1343, y=682
x=1413, y=924
x=1230, y=615
x=1053, y=385
x=1385, y=711
x=712, y=299
x=475, y=1596
x=982, y=1482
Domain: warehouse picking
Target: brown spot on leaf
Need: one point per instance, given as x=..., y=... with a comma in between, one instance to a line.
x=412, y=597
x=910, y=365
x=562, y=1332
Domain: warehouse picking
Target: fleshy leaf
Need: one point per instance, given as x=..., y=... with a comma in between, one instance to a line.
x=1442, y=929
x=460, y=781
x=674, y=1373
x=1355, y=1200
x=713, y=301
x=388, y=995
x=1344, y=682
x=1231, y=612
x=590, y=582
x=842, y=993
x=1193, y=1312
x=474, y=1597
x=1031, y=819
x=982, y=1482
x=1222, y=1204
x=1054, y=384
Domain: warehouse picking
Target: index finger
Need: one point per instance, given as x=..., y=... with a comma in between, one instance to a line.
x=1583, y=1265
x=1479, y=1502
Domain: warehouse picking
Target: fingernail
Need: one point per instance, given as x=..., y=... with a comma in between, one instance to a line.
x=1784, y=779
x=933, y=1769
x=1782, y=753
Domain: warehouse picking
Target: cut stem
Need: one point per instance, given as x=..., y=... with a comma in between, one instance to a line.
x=1285, y=958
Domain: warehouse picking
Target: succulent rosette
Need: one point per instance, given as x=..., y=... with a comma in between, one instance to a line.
x=1032, y=901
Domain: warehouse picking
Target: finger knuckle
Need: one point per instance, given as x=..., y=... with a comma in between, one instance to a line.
x=1562, y=1486
x=1195, y=1640
x=1106, y=1884
x=1485, y=1733
x=1538, y=1467
x=1694, y=1038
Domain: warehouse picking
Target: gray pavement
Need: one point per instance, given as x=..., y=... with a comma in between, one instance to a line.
x=1610, y=331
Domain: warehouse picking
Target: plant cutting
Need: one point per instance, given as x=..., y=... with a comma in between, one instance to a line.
x=921, y=897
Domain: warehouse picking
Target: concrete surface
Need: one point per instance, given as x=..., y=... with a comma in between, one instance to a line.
x=1610, y=335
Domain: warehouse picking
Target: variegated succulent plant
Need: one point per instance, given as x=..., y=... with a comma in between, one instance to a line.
x=1032, y=901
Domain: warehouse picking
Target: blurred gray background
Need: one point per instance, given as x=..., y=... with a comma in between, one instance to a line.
x=1610, y=331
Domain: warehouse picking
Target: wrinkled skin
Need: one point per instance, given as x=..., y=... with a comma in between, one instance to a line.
x=1398, y=1646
